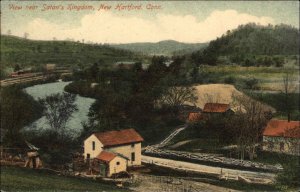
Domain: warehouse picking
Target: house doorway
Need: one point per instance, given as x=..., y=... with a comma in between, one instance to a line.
x=103, y=169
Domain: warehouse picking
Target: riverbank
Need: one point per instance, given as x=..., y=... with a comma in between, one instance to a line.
x=74, y=125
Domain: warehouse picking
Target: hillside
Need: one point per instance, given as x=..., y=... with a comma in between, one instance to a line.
x=167, y=47
x=251, y=42
x=15, y=50
x=258, y=40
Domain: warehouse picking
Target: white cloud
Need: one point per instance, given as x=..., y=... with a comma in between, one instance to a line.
x=105, y=27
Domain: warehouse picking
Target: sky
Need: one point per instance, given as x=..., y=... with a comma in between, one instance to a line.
x=136, y=21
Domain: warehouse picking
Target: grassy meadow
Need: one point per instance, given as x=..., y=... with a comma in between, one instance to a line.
x=269, y=78
x=24, y=179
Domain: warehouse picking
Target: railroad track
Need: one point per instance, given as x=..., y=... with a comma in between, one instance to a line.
x=23, y=79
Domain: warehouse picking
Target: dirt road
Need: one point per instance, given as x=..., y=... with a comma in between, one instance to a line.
x=148, y=183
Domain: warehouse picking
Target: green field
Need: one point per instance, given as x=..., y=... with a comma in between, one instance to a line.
x=24, y=179
x=269, y=78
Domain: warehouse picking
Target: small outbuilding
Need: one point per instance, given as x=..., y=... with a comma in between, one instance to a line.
x=108, y=163
x=194, y=117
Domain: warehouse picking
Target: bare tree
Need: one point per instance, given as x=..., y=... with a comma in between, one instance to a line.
x=247, y=125
x=58, y=108
x=288, y=88
x=176, y=96
x=26, y=35
x=9, y=32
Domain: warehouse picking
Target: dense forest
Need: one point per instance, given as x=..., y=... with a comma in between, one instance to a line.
x=250, y=44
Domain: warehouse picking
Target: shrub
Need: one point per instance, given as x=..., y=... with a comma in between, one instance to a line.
x=289, y=177
x=230, y=80
x=251, y=83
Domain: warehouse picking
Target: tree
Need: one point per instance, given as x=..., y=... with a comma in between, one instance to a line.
x=251, y=83
x=288, y=88
x=18, y=109
x=58, y=108
x=279, y=61
x=56, y=50
x=247, y=124
x=39, y=49
x=26, y=35
x=177, y=95
x=17, y=67
x=93, y=72
x=9, y=32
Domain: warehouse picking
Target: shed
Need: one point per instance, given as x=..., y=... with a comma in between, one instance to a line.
x=109, y=163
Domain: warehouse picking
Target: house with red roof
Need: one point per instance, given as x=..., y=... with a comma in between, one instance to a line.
x=216, y=108
x=194, y=117
x=114, y=150
x=282, y=136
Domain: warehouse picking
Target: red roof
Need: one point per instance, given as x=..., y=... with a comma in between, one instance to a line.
x=282, y=128
x=112, y=138
x=194, y=117
x=215, y=107
x=106, y=156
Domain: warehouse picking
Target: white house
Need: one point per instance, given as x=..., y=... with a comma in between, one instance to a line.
x=125, y=144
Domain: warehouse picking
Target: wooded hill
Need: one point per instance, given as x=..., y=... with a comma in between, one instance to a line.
x=168, y=47
x=25, y=52
x=248, y=41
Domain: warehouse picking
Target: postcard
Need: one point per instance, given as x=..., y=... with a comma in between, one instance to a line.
x=150, y=96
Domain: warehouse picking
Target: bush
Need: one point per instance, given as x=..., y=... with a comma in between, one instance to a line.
x=251, y=83
x=230, y=80
x=290, y=176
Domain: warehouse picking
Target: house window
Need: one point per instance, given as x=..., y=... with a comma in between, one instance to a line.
x=132, y=156
x=93, y=145
x=281, y=146
x=132, y=145
x=88, y=156
x=118, y=163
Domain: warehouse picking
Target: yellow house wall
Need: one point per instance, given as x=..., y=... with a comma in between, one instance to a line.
x=114, y=168
x=88, y=147
x=126, y=150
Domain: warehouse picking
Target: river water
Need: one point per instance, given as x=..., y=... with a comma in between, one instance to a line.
x=74, y=125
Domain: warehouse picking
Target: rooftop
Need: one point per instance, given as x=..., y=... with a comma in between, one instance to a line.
x=112, y=138
x=282, y=128
x=106, y=156
x=215, y=107
x=194, y=117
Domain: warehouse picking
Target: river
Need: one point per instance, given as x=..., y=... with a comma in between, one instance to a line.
x=74, y=125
